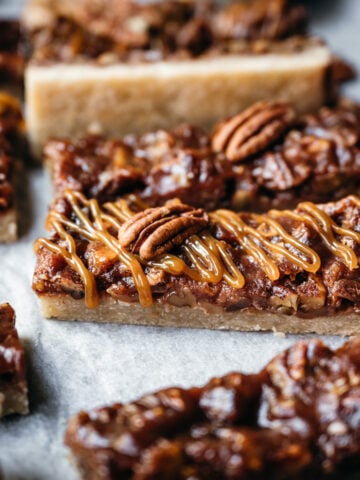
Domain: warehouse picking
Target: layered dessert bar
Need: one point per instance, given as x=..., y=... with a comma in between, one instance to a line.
x=259, y=159
x=176, y=265
x=123, y=67
x=297, y=418
x=11, y=124
x=13, y=385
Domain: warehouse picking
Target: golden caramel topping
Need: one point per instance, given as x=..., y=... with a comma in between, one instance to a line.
x=202, y=257
x=326, y=227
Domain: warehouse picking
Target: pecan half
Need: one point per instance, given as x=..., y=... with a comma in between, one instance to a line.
x=251, y=131
x=157, y=230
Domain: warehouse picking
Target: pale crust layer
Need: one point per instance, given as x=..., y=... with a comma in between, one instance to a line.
x=64, y=307
x=65, y=100
x=8, y=226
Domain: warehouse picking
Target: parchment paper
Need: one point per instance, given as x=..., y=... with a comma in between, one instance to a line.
x=74, y=366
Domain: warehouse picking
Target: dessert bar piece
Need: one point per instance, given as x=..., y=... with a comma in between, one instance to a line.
x=13, y=385
x=124, y=67
x=297, y=418
x=10, y=127
x=293, y=271
x=257, y=160
x=12, y=61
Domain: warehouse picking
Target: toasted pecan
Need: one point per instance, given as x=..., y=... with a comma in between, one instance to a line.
x=157, y=230
x=251, y=131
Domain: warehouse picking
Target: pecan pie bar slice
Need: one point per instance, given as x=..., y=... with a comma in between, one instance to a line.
x=10, y=127
x=123, y=67
x=176, y=265
x=259, y=159
x=13, y=385
x=12, y=60
x=297, y=418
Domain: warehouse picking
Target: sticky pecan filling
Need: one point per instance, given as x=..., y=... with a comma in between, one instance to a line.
x=12, y=58
x=10, y=127
x=168, y=29
x=302, y=261
x=257, y=160
x=296, y=418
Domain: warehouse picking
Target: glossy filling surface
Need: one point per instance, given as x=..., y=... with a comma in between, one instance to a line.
x=303, y=261
x=295, y=419
x=133, y=32
x=256, y=161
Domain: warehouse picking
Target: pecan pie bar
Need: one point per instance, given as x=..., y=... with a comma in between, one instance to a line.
x=10, y=126
x=298, y=418
x=12, y=61
x=257, y=160
x=123, y=67
x=176, y=265
x=13, y=385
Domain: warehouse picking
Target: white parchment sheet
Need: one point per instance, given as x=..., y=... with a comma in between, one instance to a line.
x=74, y=366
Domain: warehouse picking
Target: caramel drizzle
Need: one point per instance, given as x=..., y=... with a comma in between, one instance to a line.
x=73, y=260
x=92, y=230
x=326, y=227
x=208, y=258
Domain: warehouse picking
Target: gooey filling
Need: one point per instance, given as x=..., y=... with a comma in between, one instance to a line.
x=202, y=257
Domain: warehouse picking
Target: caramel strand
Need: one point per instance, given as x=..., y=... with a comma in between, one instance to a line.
x=232, y=274
x=96, y=230
x=72, y=259
x=325, y=227
x=311, y=266
x=243, y=233
x=206, y=266
x=100, y=232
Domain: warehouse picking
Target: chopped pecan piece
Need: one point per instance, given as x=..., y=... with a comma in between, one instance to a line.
x=276, y=172
x=265, y=19
x=317, y=160
x=342, y=71
x=251, y=131
x=158, y=230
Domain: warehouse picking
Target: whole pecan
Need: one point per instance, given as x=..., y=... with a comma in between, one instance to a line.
x=251, y=131
x=157, y=230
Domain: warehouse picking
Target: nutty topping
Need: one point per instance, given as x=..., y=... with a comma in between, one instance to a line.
x=265, y=19
x=157, y=230
x=277, y=253
x=297, y=418
x=10, y=123
x=12, y=61
x=109, y=30
x=252, y=131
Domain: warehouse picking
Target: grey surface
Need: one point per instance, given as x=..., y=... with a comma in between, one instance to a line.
x=80, y=366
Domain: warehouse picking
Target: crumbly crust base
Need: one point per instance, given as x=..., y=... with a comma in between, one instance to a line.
x=8, y=226
x=109, y=310
x=65, y=100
